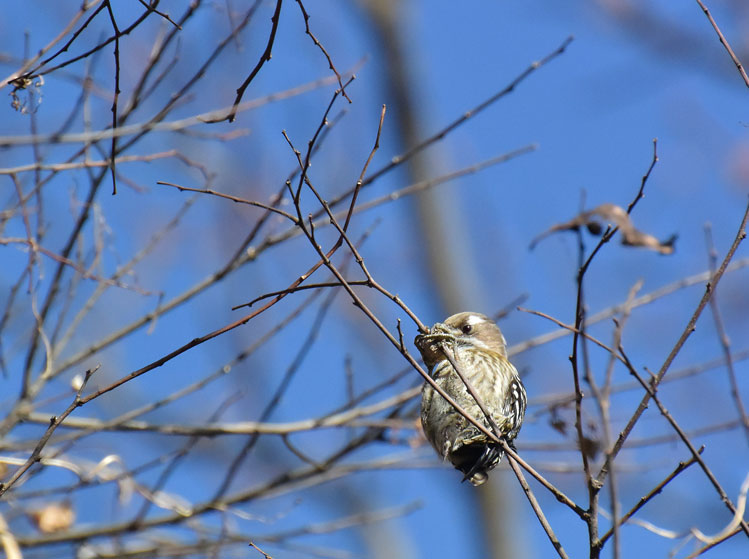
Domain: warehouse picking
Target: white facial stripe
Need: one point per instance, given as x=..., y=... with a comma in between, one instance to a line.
x=475, y=319
x=477, y=343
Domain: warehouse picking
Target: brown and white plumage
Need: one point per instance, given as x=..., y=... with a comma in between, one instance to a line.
x=480, y=352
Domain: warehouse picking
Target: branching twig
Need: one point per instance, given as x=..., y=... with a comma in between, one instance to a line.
x=306, y=16
x=54, y=422
x=711, y=285
x=650, y=388
x=652, y=493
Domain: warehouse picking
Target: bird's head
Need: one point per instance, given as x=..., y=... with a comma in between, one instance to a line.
x=466, y=329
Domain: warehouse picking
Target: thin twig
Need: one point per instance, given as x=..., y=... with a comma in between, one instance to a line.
x=236, y=199
x=651, y=494
x=725, y=342
x=54, y=422
x=467, y=115
x=725, y=44
x=116, y=96
x=537, y=509
x=711, y=285
x=265, y=57
x=319, y=45
x=650, y=388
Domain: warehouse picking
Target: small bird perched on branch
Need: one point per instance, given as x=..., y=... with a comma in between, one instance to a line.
x=478, y=348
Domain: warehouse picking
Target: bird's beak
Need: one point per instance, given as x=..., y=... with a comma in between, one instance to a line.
x=437, y=334
x=439, y=328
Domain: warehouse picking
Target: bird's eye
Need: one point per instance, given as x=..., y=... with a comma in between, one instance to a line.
x=467, y=328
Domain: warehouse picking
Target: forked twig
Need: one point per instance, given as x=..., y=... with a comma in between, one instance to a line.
x=54, y=423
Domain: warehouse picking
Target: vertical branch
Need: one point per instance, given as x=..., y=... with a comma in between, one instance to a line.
x=604, y=409
x=593, y=489
x=113, y=155
x=29, y=234
x=725, y=342
x=595, y=484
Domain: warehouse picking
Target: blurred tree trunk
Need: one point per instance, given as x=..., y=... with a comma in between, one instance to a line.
x=443, y=227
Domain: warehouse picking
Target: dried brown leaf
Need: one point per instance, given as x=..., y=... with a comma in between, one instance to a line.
x=610, y=214
x=54, y=517
x=591, y=447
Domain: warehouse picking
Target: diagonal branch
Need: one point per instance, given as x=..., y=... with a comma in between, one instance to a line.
x=711, y=285
x=725, y=44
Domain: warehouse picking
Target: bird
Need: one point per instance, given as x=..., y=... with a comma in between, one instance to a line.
x=478, y=348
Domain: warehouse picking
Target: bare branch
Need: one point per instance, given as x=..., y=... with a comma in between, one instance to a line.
x=725, y=44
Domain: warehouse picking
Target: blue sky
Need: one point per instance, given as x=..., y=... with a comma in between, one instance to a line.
x=634, y=72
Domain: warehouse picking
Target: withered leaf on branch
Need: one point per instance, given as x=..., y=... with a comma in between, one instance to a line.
x=54, y=517
x=595, y=220
x=591, y=447
x=557, y=422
